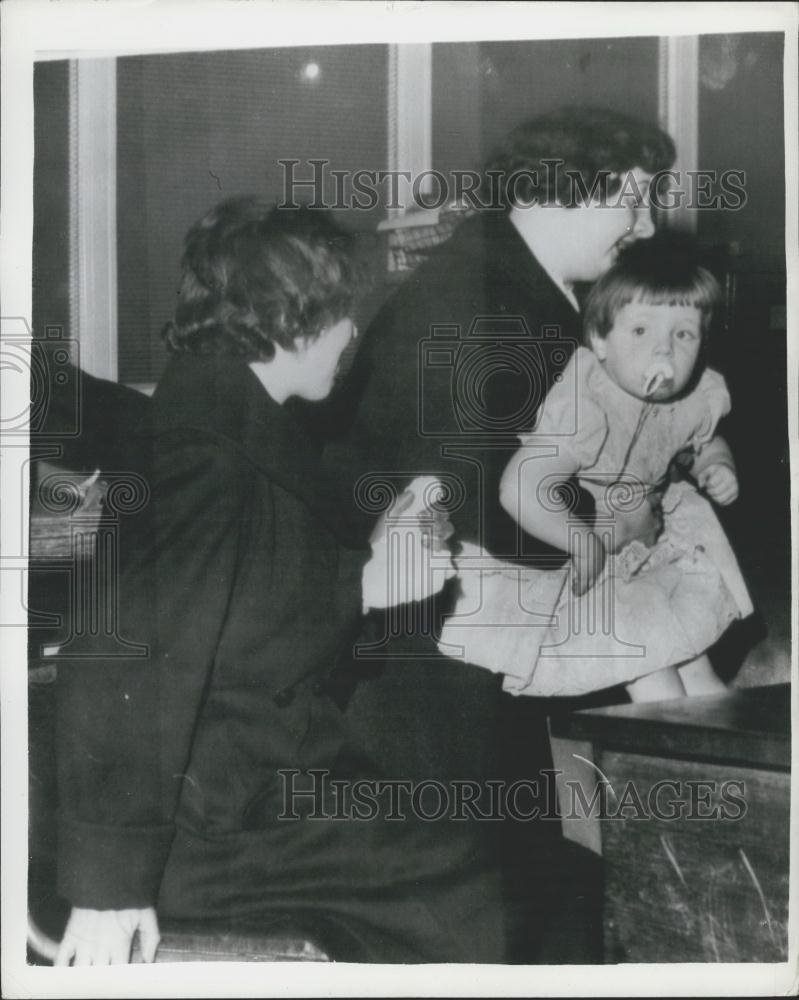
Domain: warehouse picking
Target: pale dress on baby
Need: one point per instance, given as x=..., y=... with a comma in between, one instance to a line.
x=650, y=608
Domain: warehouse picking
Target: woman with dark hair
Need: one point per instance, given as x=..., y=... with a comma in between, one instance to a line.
x=451, y=370
x=184, y=767
x=574, y=154
x=256, y=280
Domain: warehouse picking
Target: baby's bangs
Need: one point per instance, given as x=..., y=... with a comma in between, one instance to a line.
x=689, y=297
x=701, y=292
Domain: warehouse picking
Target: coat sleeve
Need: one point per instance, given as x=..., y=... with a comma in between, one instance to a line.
x=125, y=724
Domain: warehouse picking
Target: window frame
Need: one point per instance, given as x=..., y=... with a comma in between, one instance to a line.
x=93, y=188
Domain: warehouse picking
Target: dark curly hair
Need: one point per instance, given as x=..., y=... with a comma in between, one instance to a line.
x=563, y=155
x=664, y=270
x=255, y=275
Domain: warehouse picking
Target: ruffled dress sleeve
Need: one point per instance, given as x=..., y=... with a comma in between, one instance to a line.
x=704, y=408
x=571, y=417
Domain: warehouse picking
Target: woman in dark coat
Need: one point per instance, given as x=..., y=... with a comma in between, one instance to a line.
x=181, y=767
x=451, y=370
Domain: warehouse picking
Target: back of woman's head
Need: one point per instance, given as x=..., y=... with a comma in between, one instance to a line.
x=560, y=156
x=255, y=276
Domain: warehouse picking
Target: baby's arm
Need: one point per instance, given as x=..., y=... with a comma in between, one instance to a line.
x=714, y=470
x=526, y=495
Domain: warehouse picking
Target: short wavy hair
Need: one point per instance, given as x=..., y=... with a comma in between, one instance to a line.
x=664, y=270
x=560, y=156
x=255, y=275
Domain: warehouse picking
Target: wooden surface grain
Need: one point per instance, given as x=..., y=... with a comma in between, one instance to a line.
x=694, y=889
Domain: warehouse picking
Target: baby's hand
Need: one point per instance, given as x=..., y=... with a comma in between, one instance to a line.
x=588, y=561
x=720, y=483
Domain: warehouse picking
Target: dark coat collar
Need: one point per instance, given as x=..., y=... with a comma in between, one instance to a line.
x=507, y=260
x=223, y=398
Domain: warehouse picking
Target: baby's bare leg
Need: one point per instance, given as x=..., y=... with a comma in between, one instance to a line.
x=699, y=678
x=662, y=685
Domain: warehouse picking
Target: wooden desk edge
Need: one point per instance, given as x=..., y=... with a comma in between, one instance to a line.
x=703, y=728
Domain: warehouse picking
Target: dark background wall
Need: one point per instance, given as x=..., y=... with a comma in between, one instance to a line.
x=741, y=128
x=482, y=90
x=51, y=197
x=196, y=128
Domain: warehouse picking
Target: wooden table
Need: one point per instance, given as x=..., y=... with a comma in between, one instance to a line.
x=695, y=825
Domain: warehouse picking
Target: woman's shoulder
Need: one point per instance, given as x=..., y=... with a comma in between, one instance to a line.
x=208, y=416
x=203, y=394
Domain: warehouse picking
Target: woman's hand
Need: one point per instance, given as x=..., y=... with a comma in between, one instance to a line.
x=410, y=559
x=588, y=560
x=105, y=937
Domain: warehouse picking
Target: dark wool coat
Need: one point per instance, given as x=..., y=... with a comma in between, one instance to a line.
x=238, y=584
x=452, y=368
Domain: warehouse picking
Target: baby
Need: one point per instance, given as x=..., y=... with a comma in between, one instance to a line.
x=629, y=403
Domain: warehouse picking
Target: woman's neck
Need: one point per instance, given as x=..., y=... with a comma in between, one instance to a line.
x=542, y=230
x=272, y=378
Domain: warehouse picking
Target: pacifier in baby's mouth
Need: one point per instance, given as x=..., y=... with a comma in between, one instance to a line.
x=655, y=375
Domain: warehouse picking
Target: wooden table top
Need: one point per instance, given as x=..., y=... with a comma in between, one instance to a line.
x=745, y=726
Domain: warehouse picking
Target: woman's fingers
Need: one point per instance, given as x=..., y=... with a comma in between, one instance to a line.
x=83, y=956
x=435, y=534
x=120, y=953
x=402, y=503
x=104, y=937
x=66, y=951
x=92, y=953
x=443, y=528
x=421, y=515
x=149, y=935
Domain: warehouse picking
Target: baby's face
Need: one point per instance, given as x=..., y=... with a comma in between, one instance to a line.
x=651, y=350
